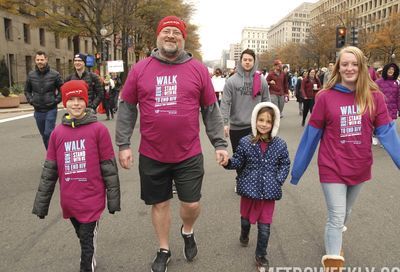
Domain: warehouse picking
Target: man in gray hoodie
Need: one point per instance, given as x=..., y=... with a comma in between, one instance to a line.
x=242, y=91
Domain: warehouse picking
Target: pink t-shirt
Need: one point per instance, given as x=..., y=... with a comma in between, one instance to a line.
x=345, y=154
x=169, y=98
x=78, y=153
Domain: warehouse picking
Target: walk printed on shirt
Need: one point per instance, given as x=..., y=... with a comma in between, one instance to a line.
x=350, y=122
x=75, y=159
x=166, y=94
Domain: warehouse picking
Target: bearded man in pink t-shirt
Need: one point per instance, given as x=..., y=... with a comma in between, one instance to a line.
x=169, y=87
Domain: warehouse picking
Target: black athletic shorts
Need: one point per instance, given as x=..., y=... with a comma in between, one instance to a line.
x=156, y=179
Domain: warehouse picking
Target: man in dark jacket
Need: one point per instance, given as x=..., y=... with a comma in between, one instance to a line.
x=42, y=90
x=92, y=80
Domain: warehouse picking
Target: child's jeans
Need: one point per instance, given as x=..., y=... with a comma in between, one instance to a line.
x=339, y=201
x=262, y=237
x=87, y=234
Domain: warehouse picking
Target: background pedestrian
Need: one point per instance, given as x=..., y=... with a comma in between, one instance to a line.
x=42, y=91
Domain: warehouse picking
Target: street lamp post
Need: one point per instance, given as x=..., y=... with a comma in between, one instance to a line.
x=103, y=33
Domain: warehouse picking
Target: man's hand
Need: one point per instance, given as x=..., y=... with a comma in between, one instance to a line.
x=272, y=82
x=125, y=158
x=222, y=157
x=226, y=131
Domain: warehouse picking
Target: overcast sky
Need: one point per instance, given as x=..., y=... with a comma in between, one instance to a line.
x=221, y=22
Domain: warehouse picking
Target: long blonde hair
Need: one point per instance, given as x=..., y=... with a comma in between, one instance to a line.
x=364, y=85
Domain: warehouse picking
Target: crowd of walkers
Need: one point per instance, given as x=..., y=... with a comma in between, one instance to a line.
x=165, y=91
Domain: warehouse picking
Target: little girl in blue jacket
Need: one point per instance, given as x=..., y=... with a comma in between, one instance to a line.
x=263, y=160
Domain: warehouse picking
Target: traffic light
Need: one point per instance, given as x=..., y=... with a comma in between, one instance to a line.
x=340, y=36
x=354, y=35
x=104, y=53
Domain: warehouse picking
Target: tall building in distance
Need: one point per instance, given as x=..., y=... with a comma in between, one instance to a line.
x=255, y=38
x=368, y=15
x=292, y=28
x=234, y=52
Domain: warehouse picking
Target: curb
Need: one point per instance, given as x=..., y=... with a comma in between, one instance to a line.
x=15, y=110
x=25, y=109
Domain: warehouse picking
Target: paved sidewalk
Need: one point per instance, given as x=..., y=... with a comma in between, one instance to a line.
x=21, y=110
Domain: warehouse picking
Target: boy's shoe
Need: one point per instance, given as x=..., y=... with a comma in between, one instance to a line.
x=375, y=141
x=190, y=248
x=262, y=263
x=244, y=238
x=161, y=260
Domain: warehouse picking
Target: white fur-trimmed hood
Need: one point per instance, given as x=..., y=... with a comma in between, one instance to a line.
x=256, y=109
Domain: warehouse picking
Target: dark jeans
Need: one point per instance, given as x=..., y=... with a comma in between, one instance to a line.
x=87, y=234
x=46, y=122
x=236, y=135
x=308, y=105
x=108, y=105
x=262, y=237
x=115, y=99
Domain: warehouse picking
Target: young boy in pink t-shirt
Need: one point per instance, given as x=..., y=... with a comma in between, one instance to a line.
x=80, y=155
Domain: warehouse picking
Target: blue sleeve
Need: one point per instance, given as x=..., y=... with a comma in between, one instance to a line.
x=387, y=135
x=308, y=143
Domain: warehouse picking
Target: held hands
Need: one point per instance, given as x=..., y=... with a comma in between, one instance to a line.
x=221, y=157
x=125, y=158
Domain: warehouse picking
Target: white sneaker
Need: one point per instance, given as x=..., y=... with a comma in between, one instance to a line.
x=375, y=141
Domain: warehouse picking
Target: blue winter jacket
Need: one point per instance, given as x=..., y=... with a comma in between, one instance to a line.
x=261, y=175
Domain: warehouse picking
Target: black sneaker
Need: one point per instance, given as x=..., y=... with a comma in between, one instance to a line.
x=161, y=261
x=262, y=263
x=244, y=238
x=190, y=248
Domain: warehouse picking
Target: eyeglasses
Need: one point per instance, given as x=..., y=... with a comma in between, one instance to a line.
x=175, y=33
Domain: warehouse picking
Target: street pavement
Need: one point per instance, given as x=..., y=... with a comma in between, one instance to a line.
x=127, y=242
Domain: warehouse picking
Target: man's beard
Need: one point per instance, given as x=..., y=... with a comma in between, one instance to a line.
x=170, y=52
